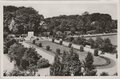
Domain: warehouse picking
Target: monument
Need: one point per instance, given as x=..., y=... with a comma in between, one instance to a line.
x=30, y=35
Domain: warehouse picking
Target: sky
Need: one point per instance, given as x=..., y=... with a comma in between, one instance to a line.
x=56, y=9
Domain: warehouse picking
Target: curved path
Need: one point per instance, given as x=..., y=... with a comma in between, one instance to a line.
x=112, y=67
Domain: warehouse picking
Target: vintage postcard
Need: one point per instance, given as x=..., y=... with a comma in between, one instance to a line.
x=60, y=39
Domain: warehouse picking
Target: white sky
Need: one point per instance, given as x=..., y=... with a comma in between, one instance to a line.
x=56, y=9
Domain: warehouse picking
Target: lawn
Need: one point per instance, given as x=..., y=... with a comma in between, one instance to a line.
x=97, y=60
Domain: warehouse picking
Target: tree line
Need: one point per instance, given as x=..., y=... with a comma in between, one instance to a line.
x=84, y=24
x=19, y=20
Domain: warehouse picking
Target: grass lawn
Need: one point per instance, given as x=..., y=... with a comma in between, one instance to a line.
x=97, y=60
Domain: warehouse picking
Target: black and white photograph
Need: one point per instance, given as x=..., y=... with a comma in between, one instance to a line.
x=60, y=38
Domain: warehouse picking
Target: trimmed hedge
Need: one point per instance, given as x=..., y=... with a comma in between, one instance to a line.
x=48, y=48
x=53, y=40
x=81, y=48
x=95, y=52
x=61, y=42
x=70, y=45
x=33, y=42
x=40, y=44
x=58, y=51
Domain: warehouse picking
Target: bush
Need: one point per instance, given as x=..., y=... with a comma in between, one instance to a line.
x=104, y=74
x=81, y=48
x=58, y=51
x=91, y=73
x=96, y=52
x=37, y=38
x=16, y=73
x=61, y=42
x=53, y=40
x=33, y=41
x=70, y=45
x=40, y=44
x=43, y=63
x=48, y=48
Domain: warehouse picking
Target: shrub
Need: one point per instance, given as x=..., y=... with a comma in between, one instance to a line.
x=70, y=44
x=48, y=48
x=33, y=41
x=37, y=38
x=61, y=42
x=91, y=73
x=42, y=63
x=81, y=48
x=40, y=44
x=115, y=74
x=96, y=52
x=91, y=42
x=58, y=51
x=53, y=40
x=104, y=74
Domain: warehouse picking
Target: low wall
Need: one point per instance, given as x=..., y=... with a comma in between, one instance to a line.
x=86, y=49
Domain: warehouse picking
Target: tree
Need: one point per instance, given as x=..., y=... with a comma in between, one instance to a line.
x=66, y=65
x=16, y=51
x=91, y=42
x=107, y=46
x=40, y=44
x=56, y=67
x=72, y=64
x=58, y=51
x=70, y=45
x=88, y=65
x=81, y=48
x=42, y=63
x=31, y=56
x=96, y=52
x=23, y=17
x=80, y=41
x=48, y=48
x=98, y=42
x=32, y=69
x=89, y=61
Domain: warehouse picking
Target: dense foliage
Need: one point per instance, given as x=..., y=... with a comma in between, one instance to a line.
x=66, y=64
x=84, y=24
x=69, y=64
x=24, y=58
x=19, y=20
x=99, y=43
